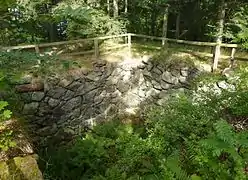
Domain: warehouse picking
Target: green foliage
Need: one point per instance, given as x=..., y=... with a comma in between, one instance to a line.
x=5, y=114
x=14, y=65
x=180, y=140
x=223, y=149
x=239, y=26
x=87, y=22
x=6, y=135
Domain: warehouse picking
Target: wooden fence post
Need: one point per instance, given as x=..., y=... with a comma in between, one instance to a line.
x=164, y=41
x=129, y=44
x=37, y=49
x=232, y=56
x=216, y=56
x=96, y=48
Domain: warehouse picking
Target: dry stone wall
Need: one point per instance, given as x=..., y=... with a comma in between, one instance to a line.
x=67, y=105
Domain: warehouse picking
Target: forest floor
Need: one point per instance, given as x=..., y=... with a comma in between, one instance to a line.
x=140, y=49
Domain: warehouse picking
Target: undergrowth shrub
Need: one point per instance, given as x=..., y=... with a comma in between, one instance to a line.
x=6, y=135
x=180, y=140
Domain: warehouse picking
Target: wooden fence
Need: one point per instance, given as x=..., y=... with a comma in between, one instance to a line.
x=96, y=50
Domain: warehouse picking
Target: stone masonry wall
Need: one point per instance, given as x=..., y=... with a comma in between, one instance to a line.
x=67, y=105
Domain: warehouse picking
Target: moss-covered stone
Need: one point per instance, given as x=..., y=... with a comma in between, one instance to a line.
x=4, y=171
x=20, y=168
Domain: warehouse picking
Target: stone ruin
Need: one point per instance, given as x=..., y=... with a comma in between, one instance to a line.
x=65, y=106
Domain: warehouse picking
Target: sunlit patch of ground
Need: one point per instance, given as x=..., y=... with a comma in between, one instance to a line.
x=202, y=56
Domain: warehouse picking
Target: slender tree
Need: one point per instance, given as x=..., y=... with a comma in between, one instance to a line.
x=126, y=6
x=220, y=30
x=116, y=8
x=165, y=22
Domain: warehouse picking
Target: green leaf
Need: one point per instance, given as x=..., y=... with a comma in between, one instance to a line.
x=195, y=177
x=3, y=104
x=7, y=114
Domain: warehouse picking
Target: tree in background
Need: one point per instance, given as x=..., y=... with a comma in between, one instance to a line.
x=30, y=21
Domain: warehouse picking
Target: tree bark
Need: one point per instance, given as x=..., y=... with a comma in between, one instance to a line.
x=108, y=7
x=165, y=24
x=178, y=25
x=126, y=6
x=116, y=8
x=153, y=23
x=220, y=27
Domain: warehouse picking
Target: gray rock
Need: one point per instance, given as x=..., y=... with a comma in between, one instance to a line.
x=156, y=85
x=131, y=100
x=161, y=102
x=74, y=86
x=85, y=88
x=56, y=93
x=73, y=115
x=50, y=83
x=184, y=72
x=107, y=73
x=93, y=76
x=30, y=108
x=65, y=82
x=183, y=79
x=152, y=92
x=72, y=104
x=115, y=94
x=53, y=102
x=80, y=90
x=98, y=99
x=123, y=86
x=165, y=85
x=147, y=73
x=163, y=95
x=69, y=131
x=176, y=73
x=68, y=95
x=111, y=89
x=141, y=93
x=157, y=71
x=150, y=66
x=38, y=96
x=167, y=77
x=89, y=97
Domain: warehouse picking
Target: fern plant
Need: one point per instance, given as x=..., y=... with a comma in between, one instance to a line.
x=223, y=149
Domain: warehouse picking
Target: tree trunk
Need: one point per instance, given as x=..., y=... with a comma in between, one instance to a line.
x=108, y=7
x=220, y=27
x=52, y=32
x=116, y=8
x=165, y=24
x=178, y=25
x=153, y=23
x=126, y=6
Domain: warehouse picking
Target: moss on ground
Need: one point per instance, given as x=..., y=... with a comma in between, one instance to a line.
x=20, y=168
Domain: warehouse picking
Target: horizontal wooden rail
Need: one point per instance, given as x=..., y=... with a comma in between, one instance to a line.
x=128, y=36
x=61, y=42
x=116, y=36
x=186, y=42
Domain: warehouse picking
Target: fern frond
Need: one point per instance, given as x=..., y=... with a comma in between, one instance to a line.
x=224, y=132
